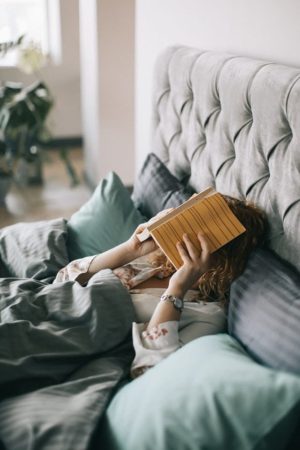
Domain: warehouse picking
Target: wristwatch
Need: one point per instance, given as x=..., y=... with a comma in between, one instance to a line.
x=178, y=303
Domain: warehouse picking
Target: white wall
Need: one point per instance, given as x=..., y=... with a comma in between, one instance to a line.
x=63, y=79
x=107, y=76
x=90, y=99
x=267, y=29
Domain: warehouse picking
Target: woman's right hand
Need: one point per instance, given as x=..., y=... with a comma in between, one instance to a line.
x=195, y=263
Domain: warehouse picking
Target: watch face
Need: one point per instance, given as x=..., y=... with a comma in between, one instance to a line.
x=178, y=303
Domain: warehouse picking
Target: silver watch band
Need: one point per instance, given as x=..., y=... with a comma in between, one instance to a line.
x=178, y=303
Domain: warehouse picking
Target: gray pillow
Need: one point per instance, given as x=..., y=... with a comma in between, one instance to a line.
x=264, y=311
x=156, y=188
x=33, y=250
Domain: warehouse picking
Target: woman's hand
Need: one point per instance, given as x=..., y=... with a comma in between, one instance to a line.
x=149, y=245
x=141, y=248
x=195, y=263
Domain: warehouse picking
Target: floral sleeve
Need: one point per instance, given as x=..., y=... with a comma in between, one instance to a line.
x=74, y=269
x=153, y=346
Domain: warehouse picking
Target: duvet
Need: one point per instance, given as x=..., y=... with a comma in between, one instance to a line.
x=64, y=348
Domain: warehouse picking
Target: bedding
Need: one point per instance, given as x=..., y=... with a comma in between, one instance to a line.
x=156, y=189
x=63, y=347
x=219, y=120
x=264, y=311
x=108, y=218
x=33, y=250
x=208, y=395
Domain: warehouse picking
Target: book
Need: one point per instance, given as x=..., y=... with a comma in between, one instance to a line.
x=206, y=212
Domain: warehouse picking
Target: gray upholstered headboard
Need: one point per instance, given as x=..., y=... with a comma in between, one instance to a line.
x=233, y=123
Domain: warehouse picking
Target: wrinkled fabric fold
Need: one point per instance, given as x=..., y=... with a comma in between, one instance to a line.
x=49, y=330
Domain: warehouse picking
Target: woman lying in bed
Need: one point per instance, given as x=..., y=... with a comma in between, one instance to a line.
x=164, y=321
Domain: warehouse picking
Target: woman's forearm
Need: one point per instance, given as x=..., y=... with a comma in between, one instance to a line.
x=194, y=265
x=111, y=259
x=165, y=311
x=115, y=257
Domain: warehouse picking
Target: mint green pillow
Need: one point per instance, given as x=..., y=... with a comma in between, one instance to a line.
x=208, y=395
x=108, y=218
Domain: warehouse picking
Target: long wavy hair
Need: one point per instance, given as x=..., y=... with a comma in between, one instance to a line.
x=230, y=260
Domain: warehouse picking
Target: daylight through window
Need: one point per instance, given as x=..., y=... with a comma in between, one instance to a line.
x=23, y=17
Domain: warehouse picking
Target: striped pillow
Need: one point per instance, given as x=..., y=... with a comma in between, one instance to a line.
x=156, y=188
x=264, y=311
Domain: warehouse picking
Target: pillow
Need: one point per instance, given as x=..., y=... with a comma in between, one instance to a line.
x=33, y=250
x=264, y=311
x=208, y=395
x=106, y=220
x=156, y=188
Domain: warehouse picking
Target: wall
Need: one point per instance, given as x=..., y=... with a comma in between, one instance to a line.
x=266, y=29
x=107, y=77
x=62, y=79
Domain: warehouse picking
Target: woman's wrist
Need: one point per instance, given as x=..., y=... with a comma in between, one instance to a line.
x=175, y=290
x=129, y=252
x=131, y=249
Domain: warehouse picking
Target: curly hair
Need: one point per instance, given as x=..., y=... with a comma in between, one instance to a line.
x=230, y=260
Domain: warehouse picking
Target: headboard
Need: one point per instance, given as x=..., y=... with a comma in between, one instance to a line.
x=234, y=123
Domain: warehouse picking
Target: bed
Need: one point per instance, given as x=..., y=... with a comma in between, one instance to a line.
x=218, y=120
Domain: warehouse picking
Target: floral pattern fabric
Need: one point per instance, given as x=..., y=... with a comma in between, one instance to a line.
x=152, y=346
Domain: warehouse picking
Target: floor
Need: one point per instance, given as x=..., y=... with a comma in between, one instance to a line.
x=55, y=198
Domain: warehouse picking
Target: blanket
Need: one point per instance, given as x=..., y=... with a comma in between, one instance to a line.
x=64, y=349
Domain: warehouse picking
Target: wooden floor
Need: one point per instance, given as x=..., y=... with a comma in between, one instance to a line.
x=55, y=198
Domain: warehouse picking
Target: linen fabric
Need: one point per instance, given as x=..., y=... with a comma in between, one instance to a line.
x=197, y=319
x=264, y=311
x=64, y=348
x=35, y=250
x=107, y=219
x=156, y=188
x=208, y=395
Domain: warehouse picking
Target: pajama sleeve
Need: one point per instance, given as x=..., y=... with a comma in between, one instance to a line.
x=74, y=270
x=153, y=346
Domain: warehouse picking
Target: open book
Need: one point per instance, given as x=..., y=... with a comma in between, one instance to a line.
x=206, y=212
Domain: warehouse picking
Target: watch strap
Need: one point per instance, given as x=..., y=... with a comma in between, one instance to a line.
x=178, y=303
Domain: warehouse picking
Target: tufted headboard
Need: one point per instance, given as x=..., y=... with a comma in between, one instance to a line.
x=234, y=123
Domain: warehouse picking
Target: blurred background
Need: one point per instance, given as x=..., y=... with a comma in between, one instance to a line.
x=86, y=67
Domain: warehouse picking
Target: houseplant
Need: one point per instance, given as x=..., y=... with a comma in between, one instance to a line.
x=5, y=172
x=23, y=120
x=23, y=114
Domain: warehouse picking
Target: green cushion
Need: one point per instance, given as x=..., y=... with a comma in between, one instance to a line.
x=107, y=219
x=208, y=395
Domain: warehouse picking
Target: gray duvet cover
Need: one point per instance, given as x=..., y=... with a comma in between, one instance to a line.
x=64, y=348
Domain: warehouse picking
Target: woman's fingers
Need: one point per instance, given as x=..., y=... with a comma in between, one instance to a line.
x=182, y=252
x=140, y=228
x=204, y=245
x=193, y=251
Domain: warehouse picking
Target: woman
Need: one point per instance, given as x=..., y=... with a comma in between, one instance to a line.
x=203, y=282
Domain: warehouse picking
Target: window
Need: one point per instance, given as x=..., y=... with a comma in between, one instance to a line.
x=34, y=19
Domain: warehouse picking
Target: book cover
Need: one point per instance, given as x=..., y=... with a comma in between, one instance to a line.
x=206, y=212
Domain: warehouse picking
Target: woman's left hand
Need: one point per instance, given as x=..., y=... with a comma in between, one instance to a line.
x=149, y=245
